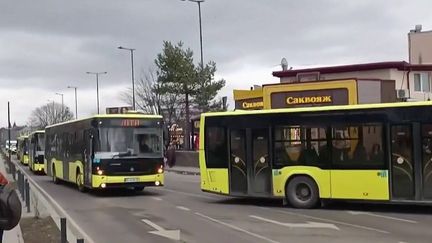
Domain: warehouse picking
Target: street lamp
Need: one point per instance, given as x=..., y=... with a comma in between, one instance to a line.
x=202, y=68
x=76, y=100
x=200, y=26
x=133, y=76
x=97, y=86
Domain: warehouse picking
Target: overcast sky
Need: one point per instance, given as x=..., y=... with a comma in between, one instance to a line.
x=46, y=45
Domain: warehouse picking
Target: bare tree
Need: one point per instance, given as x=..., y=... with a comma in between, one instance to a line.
x=151, y=97
x=49, y=114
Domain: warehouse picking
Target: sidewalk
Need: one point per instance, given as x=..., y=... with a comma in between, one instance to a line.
x=184, y=170
x=14, y=235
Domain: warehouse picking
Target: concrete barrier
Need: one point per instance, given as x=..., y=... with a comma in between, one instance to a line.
x=187, y=158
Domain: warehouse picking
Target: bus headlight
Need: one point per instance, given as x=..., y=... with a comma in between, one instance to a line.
x=103, y=185
x=99, y=171
x=157, y=183
x=160, y=170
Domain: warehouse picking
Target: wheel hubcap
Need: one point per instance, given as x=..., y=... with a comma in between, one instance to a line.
x=303, y=192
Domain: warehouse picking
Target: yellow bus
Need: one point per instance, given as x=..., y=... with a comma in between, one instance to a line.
x=22, y=150
x=107, y=151
x=36, y=143
x=377, y=152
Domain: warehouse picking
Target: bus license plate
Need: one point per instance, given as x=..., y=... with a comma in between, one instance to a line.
x=131, y=179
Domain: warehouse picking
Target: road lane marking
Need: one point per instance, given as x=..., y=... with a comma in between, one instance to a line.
x=314, y=225
x=237, y=228
x=382, y=216
x=171, y=234
x=183, y=208
x=157, y=198
x=328, y=220
x=188, y=194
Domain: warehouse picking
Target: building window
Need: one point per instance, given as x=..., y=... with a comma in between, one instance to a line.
x=422, y=82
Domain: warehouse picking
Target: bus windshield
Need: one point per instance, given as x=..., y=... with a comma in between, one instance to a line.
x=24, y=146
x=131, y=141
x=40, y=142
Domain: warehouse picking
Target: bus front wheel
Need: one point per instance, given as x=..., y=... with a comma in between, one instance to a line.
x=80, y=182
x=302, y=192
x=54, y=176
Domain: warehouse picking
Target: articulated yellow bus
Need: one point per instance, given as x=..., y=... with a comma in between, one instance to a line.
x=377, y=152
x=36, y=143
x=22, y=150
x=107, y=151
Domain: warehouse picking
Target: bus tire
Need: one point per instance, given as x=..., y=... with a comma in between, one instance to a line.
x=302, y=192
x=79, y=182
x=54, y=176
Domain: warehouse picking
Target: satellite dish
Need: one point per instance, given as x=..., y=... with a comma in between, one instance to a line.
x=284, y=64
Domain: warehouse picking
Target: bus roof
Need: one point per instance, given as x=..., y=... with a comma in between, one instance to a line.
x=320, y=108
x=108, y=116
x=38, y=131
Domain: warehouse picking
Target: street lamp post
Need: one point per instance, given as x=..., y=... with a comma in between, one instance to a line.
x=200, y=28
x=133, y=75
x=188, y=140
x=97, y=86
x=76, y=100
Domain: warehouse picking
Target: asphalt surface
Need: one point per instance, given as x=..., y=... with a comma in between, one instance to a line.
x=125, y=216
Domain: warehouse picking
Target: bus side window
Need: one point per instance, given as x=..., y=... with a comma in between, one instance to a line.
x=216, y=147
x=358, y=146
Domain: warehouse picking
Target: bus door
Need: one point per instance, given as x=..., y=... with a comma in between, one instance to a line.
x=426, y=161
x=260, y=177
x=238, y=162
x=88, y=160
x=250, y=171
x=402, y=163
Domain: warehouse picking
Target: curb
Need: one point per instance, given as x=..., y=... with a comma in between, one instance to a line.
x=183, y=172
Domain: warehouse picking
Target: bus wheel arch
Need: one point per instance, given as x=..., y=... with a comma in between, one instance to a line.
x=302, y=191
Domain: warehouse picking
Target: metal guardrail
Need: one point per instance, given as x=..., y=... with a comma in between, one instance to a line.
x=27, y=186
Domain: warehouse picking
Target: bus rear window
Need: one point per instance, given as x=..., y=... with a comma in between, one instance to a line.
x=216, y=147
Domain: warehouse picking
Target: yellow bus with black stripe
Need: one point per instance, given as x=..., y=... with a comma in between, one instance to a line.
x=376, y=152
x=107, y=151
x=36, y=143
x=22, y=150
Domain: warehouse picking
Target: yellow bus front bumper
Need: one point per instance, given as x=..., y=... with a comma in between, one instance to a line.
x=38, y=167
x=103, y=181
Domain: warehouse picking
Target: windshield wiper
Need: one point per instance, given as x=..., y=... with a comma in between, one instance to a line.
x=123, y=154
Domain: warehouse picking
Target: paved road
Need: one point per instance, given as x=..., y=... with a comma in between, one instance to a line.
x=123, y=216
